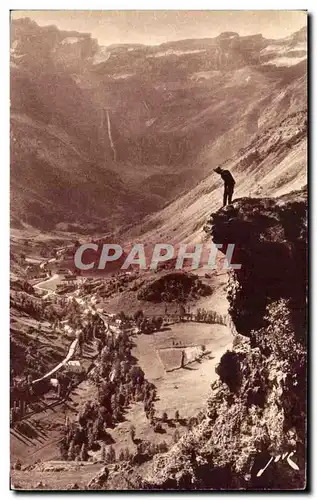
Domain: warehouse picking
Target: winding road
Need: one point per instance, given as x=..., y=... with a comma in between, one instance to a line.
x=73, y=345
x=70, y=354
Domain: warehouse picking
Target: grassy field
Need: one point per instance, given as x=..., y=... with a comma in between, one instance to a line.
x=60, y=479
x=185, y=389
x=144, y=431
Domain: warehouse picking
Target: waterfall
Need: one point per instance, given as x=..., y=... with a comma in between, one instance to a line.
x=110, y=138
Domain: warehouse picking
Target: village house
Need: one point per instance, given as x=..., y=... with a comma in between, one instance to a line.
x=74, y=366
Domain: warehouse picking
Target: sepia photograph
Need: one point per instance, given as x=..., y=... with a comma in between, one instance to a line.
x=158, y=250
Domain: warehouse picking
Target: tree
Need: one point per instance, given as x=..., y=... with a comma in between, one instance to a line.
x=111, y=455
x=117, y=414
x=158, y=427
x=177, y=415
x=132, y=432
x=122, y=316
x=138, y=315
x=192, y=422
x=142, y=324
x=182, y=312
x=136, y=374
x=176, y=436
x=163, y=447
x=164, y=417
x=63, y=449
x=80, y=338
x=71, y=451
x=127, y=455
x=159, y=322
x=150, y=412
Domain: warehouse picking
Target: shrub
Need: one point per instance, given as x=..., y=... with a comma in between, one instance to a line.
x=173, y=286
x=158, y=427
x=229, y=370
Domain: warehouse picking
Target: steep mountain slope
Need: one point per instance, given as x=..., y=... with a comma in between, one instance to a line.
x=257, y=408
x=274, y=163
x=104, y=135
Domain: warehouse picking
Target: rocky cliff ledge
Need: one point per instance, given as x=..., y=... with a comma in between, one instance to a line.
x=270, y=244
x=256, y=412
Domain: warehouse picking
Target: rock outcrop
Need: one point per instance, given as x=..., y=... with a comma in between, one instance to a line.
x=270, y=244
x=99, y=481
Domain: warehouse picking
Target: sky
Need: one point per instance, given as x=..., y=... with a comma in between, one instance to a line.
x=158, y=26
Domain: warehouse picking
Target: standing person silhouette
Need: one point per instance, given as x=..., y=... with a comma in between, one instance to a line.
x=229, y=183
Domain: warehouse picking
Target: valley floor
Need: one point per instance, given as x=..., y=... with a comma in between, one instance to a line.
x=180, y=360
x=182, y=389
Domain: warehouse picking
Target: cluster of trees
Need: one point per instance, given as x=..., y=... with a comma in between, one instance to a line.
x=145, y=450
x=81, y=436
x=147, y=325
x=26, y=303
x=149, y=409
x=41, y=309
x=174, y=287
x=23, y=393
x=28, y=361
x=21, y=285
x=157, y=422
x=111, y=286
x=204, y=316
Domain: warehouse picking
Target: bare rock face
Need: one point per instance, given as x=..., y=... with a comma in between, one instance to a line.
x=270, y=244
x=253, y=435
x=98, y=482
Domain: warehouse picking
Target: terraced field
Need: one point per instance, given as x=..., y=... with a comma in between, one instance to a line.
x=184, y=389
